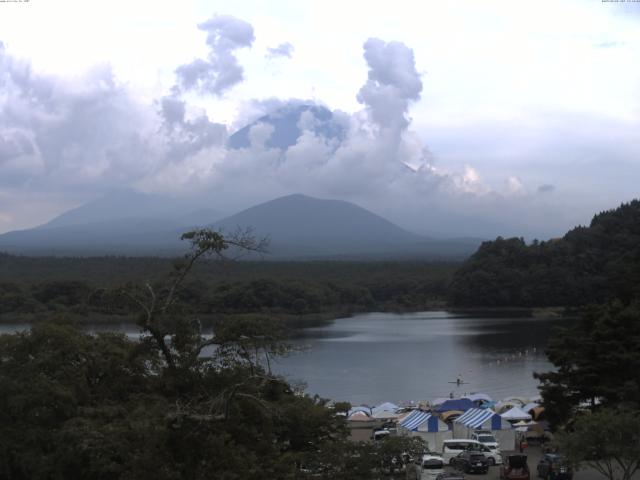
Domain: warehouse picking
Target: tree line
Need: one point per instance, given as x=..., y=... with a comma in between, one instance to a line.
x=293, y=289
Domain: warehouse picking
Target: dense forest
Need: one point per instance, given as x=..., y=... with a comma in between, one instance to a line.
x=33, y=288
x=588, y=265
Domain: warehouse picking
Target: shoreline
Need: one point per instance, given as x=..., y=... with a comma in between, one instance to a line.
x=296, y=321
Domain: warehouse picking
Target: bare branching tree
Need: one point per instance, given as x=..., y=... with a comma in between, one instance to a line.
x=177, y=339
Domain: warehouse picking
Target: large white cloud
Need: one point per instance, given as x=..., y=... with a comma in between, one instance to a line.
x=69, y=138
x=221, y=70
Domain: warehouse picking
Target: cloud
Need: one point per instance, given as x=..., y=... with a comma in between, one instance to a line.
x=14, y=143
x=221, y=70
x=72, y=138
x=186, y=136
x=392, y=83
x=282, y=50
x=82, y=132
x=609, y=44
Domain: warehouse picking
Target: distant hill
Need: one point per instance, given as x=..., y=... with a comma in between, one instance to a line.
x=124, y=223
x=588, y=265
x=129, y=204
x=299, y=227
x=302, y=226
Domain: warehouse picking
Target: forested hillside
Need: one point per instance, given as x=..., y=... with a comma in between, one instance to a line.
x=588, y=265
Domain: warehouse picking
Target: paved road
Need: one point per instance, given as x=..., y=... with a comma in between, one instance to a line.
x=533, y=456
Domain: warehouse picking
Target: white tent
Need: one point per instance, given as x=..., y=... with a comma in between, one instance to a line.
x=515, y=414
x=385, y=408
x=385, y=414
x=485, y=419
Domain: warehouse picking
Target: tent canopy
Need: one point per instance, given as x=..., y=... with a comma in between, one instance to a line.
x=516, y=414
x=360, y=408
x=475, y=397
x=423, y=421
x=359, y=417
x=482, y=418
x=384, y=407
x=462, y=404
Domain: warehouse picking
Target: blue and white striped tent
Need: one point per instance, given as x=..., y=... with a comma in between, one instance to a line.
x=423, y=422
x=486, y=419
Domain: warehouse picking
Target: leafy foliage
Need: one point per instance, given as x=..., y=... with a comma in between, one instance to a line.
x=588, y=265
x=607, y=440
x=597, y=362
x=32, y=289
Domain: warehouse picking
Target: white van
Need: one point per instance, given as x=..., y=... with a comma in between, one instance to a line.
x=429, y=467
x=452, y=448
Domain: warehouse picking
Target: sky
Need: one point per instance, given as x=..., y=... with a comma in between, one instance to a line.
x=462, y=118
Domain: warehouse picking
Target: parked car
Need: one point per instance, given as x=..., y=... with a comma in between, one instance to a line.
x=471, y=461
x=515, y=467
x=452, y=448
x=485, y=437
x=429, y=467
x=553, y=466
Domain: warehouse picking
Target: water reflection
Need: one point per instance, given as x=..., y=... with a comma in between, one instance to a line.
x=409, y=357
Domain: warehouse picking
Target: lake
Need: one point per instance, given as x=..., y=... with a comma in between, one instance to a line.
x=376, y=357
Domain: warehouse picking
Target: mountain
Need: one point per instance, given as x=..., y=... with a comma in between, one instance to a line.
x=123, y=223
x=129, y=204
x=286, y=126
x=299, y=227
x=587, y=265
x=302, y=226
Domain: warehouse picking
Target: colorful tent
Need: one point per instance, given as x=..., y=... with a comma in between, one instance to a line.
x=423, y=421
x=482, y=418
x=426, y=426
x=485, y=419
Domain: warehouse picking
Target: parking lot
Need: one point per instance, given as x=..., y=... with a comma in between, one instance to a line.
x=533, y=456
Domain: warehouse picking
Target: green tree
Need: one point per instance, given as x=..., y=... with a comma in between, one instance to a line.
x=607, y=440
x=597, y=362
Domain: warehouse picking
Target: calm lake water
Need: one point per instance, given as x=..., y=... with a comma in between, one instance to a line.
x=376, y=357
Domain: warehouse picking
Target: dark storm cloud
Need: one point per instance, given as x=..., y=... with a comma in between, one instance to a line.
x=221, y=70
x=282, y=50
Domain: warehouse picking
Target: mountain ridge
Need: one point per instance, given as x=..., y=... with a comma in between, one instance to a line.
x=299, y=226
